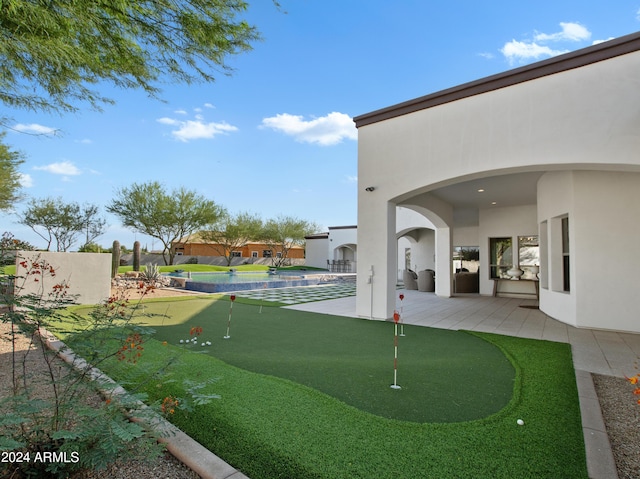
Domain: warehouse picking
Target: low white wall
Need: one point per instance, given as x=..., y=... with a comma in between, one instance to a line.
x=88, y=275
x=316, y=250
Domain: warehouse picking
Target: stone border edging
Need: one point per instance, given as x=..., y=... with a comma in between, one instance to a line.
x=188, y=451
x=600, y=461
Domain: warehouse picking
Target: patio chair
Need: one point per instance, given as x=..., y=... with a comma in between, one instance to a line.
x=409, y=278
x=426, y=281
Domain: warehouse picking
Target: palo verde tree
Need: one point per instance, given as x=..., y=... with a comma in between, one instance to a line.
x=167, y=216
x=10, y=160
x=284, y=232
x=93, y=225
x=54, y=55
x=232, y=232
x=54, y=220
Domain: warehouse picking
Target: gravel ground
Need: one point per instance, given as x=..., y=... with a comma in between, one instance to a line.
x=621, y=415
x=162, y=467
x=619, y=408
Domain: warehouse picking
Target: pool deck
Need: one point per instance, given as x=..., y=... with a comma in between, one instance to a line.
x=594, y=351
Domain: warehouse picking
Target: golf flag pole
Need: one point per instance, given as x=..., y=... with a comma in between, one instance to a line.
x=232, y=298
x=401, y=315
x=264, y=286
x=396, y=318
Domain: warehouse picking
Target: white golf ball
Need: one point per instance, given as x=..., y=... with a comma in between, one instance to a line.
x=181, y=341
x=520, y=422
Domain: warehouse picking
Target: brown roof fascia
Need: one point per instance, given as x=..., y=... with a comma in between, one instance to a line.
x=568, y=61
x=317, y=236
x=343, y=227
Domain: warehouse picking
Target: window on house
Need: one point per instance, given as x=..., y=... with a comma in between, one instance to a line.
x=236, y=254
x=528, y=256
x=500, y=257
x=254, y=254
x=466, y=258
x=565, y=254
x=278, y=255
x=266, y=253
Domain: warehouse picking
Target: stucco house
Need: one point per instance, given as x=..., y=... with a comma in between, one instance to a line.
x=536, y=167
x=335, y=249
x=195, y=245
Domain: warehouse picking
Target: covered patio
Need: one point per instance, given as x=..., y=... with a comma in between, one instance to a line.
x=542, y=157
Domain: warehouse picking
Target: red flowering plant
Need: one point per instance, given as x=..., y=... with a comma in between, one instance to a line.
x=50, y=405
x=634, y=380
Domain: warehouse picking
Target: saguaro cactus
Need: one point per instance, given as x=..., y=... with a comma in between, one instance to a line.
x=115, y=258
x=136, y=256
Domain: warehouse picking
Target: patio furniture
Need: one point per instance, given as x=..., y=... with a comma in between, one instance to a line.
x=426, y=281
x=409, y=278
x=466, y=283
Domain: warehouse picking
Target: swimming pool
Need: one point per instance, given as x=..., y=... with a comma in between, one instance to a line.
x=236, y=281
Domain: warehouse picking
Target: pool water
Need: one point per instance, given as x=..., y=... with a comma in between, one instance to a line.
x=236, y=277
x=224, y=282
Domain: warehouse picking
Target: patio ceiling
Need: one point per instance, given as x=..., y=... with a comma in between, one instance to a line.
x=468, y=197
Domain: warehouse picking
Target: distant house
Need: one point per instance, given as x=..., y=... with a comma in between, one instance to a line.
x=335, y=250
x=194, y=245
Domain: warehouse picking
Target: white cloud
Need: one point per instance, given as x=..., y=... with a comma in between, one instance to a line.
x=638, y=15
x=180, y=112
x=62, y=168
x=34, y=129
x=351, y=179
x=197, y=129
x=487, y=55
x=168, y=121
x=573, y=32
x=596, y=42
x=26, y=181
x=515, y=50
x=209, y=105
x=84, y=141
x=521, y=51
x=326, y=130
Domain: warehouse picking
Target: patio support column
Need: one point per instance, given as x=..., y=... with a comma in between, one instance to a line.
x=377, y=251
x=444, y=248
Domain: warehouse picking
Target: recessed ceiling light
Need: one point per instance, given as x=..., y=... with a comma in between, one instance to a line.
x=481, y=190
x=494, y=202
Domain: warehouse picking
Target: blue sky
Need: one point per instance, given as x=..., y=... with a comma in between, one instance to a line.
x=277, y=137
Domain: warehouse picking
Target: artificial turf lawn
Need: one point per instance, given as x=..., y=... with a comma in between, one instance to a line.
x=270, y=427
x=446, y=376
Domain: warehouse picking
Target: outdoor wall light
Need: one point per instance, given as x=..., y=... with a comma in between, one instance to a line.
x=369, y=189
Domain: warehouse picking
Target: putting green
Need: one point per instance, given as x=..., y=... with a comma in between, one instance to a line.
x=445, y=376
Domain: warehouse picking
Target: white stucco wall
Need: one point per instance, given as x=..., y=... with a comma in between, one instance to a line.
x=316, y=252
x=343, y=243
x=466, y=236
x=603, y=210
x=418, y=234
x=88, y=275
